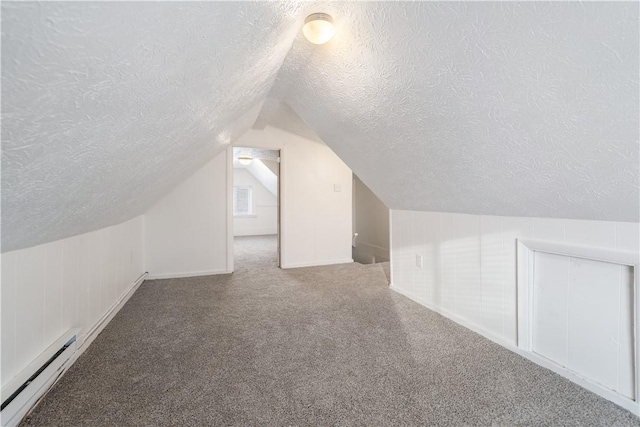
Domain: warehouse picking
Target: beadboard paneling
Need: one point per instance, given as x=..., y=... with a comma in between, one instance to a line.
x=469, y=261
x=69, y=283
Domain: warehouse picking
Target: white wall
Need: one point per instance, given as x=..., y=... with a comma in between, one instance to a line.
x=264, y=175
x=469, y=265
x=187, y=229
x=316, y=219
x=187, y=233
x=371, y=222
x=265, y=207
x=69, y=283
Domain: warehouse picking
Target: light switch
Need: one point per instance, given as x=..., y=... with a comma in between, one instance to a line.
x=419, y=261
x=337, y=188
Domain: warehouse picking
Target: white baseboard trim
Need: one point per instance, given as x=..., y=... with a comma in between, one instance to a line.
x=88, y=337
x=255, y=232
x=631, y=406
x=458, y=319
x=590, y=385
x=318, y=263
x=79, y=346
x=187, y=274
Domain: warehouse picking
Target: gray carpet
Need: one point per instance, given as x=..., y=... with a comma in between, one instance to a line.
x=254, y=254
x=313, y=346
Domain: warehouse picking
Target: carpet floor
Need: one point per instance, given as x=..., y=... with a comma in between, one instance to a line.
x=312, y=346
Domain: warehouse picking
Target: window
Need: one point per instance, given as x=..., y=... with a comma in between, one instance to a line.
x=242, y=201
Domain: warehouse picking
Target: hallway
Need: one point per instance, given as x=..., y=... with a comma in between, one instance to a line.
x=255, y=252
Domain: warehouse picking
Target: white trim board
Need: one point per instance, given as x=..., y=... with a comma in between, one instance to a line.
x=87, y=338
x=256, y=231
x=391, y=263
x=229, y=207
x=458, y=319
x=526, y=249
x=539, y=360
x=318, y=264
x=282, y=182
x=187, y=274
x=48, y=378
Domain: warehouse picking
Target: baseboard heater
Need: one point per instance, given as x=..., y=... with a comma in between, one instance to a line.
x=23, y=392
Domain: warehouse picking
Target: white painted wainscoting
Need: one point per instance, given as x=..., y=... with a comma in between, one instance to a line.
x=469, y=265
x=78, y=283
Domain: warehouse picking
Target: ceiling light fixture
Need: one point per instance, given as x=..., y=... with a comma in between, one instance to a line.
x=245, y=160
x=318, y=28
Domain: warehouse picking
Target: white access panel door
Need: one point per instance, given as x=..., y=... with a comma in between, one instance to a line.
x=583, y=318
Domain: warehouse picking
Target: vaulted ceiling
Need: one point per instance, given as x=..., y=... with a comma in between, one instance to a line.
x=524, y=109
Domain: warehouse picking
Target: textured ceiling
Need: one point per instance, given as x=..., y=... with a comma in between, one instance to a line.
x=107, y=106
x=506, y=108
x=491, y=108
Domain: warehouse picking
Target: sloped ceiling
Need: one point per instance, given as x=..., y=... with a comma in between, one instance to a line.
x=506, y=108
x=489, y=108
x=107, y=106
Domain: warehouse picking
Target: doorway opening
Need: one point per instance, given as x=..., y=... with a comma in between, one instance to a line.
x=256, y=208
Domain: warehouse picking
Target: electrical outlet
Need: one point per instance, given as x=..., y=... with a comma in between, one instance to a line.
x=337, y=188
x=419, y=261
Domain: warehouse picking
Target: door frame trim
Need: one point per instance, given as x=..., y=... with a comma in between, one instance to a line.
x=280, y=200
